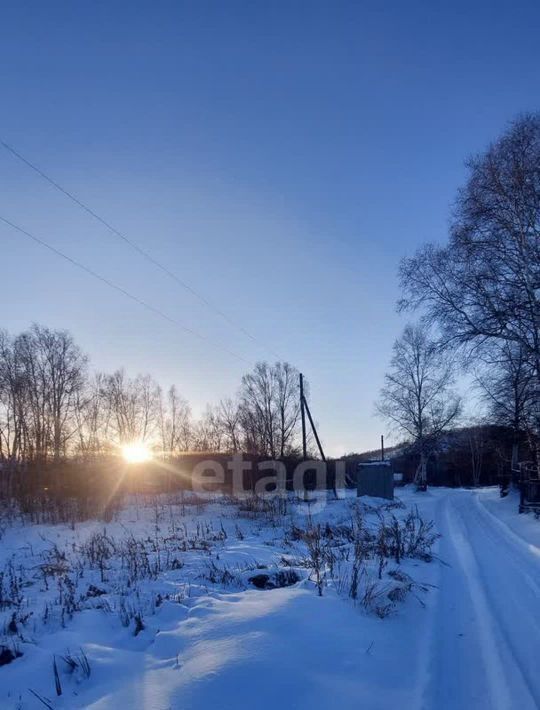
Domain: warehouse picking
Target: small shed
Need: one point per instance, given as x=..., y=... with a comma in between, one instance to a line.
x=375, y=479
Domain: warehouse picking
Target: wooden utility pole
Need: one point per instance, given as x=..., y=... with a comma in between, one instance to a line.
x=303, y=415
x=304, y=407
x=382, y=447
x=314, y=431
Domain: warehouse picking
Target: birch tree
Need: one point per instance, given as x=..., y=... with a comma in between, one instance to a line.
x=484, y=285
x=417, y=398
x=176, y=428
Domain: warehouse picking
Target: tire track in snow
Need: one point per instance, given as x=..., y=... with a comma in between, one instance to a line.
x=501, y=534
x=510, y=577
x=472, y=660
x=486, y=626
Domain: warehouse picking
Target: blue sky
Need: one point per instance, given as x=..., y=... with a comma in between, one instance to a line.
x=280, y=157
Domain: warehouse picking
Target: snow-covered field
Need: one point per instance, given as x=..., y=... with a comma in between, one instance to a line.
x=194, y=604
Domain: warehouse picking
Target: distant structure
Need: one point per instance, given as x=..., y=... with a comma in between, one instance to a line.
x=375, y=479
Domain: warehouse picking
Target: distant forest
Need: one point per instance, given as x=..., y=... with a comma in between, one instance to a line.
x=53, y=407
x=479, y=455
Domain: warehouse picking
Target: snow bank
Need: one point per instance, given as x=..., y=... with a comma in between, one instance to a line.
x=160, y=603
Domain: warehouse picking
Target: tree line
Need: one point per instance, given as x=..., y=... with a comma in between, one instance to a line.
x=478, y=297
x=52, y=406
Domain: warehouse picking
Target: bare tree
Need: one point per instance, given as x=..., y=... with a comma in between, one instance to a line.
x=485, y=284
x=12, y=403
x=270, y=408
x=417, y=397
x=507, y=386
x=288, y=403
x=176, y=429
x=230, y=420
x=62, y=371
x=93, y=417
x=32, y=395
x=42, y=373
x=208, y=434
x=477, y=438
x=258, y=396
x=133, y=406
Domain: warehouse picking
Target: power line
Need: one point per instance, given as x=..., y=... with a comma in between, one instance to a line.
x=136, y=247
x=123, y=291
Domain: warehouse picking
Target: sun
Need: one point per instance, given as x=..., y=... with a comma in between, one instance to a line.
x=136, y=452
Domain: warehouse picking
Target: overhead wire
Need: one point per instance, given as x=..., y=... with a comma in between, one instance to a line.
x=142, y=252
x=120, y=289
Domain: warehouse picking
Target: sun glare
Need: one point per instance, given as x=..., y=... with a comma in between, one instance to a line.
x=136, y=453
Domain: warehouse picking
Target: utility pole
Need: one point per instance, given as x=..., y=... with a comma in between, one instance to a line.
x=382, y=447
x=314, y=431
x=303, y=415
x=304, y=408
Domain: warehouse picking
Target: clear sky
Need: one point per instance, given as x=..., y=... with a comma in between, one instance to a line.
x=280, y=157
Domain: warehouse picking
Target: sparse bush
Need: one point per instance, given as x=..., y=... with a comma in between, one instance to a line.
x=77, y=663
x=343, y=552
x=98, y=550
x=314, y=541
x=7, y=654
x=221, y=575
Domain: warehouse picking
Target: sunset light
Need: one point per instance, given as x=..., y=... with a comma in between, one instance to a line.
x=270, y=355
x=136, y=452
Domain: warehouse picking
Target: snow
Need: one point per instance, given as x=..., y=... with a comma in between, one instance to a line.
x=486, y=633
x=212, y=640
x=526, y=528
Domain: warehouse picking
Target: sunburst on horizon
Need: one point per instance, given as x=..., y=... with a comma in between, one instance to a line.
x=136, y=452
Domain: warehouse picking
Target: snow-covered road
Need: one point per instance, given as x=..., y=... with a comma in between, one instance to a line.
x=486, y=626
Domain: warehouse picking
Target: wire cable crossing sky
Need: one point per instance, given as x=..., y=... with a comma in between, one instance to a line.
x=121, y=290
x=137, y=248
